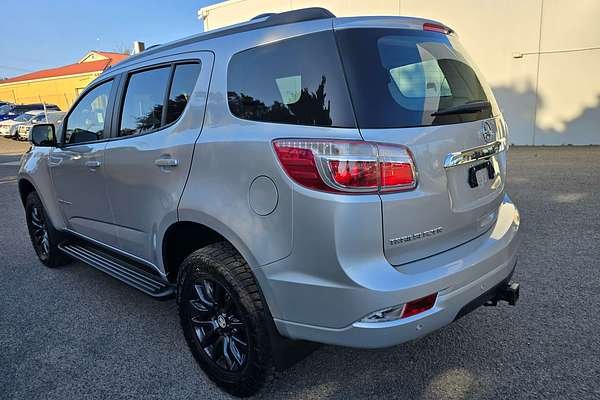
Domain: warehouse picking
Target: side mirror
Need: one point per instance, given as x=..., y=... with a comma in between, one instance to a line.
x=43, y=135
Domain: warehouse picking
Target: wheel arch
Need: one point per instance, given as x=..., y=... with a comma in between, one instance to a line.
x=184, y=237
x=25, y=188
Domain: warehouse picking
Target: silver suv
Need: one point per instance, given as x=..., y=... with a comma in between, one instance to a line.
x=295, y=179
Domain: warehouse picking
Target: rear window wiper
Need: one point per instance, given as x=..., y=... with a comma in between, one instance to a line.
x=471, y=107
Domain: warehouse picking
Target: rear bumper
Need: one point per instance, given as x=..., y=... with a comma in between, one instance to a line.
x=460, y=276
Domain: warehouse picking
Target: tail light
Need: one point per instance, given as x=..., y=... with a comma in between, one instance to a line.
x=428, y=26
x=353, y=167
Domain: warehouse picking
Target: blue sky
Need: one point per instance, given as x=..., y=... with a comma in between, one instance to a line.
x=43, y=34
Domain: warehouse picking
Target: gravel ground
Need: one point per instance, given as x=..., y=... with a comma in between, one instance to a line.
x=74, y=333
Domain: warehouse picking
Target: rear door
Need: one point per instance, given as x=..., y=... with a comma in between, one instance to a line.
x=418, y=88
x=156, y=123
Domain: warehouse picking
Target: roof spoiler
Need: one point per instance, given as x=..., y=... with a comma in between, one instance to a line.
x=289, y=17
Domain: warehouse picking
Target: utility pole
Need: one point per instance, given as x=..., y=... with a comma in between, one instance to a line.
x=44, y=104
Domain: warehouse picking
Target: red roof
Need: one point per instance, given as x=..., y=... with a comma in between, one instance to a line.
x=116, y=57
x=72, y=69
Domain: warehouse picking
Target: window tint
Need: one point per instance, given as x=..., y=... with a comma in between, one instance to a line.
x=295, y=81
x=399, y=78
x=184, y=80
x=86, y=121
x=144, y=99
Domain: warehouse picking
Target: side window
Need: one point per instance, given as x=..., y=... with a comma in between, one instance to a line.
x=144, y=99
x=184, y=80
x=86, y=121
x=296, y=81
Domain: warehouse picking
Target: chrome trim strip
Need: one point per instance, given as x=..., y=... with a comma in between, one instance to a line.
x=475, y=154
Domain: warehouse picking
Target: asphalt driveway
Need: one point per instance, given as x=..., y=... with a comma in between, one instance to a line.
x=73, y=332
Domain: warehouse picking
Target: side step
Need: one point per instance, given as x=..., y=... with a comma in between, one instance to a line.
x=118, y=267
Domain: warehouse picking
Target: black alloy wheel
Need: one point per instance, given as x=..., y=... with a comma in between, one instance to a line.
x=220, y=331
x=44, y=237
x=225, y=320
x=38, y=229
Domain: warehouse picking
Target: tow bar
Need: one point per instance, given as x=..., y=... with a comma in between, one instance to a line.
x=508, y=292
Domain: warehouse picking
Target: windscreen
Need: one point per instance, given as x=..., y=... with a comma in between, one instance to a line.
x=24, y=117
x=402, y=78
x=39, y=118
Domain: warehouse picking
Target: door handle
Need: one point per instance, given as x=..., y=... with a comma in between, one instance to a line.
x=166, y=162
x=93, y=164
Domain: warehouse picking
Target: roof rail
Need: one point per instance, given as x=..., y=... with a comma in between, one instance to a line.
x=289, y=17
x=261, y=16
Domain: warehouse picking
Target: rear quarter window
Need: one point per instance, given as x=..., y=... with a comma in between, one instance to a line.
x=182, y=86
x=295, y=81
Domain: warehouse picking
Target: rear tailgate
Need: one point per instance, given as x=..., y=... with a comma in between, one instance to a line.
x=444, y=211
x=419, y=89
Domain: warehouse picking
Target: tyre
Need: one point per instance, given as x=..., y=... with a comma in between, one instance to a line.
x=225, y=320
x=44, y=237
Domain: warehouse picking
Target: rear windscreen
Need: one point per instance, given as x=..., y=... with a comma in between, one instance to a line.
x=399, y=78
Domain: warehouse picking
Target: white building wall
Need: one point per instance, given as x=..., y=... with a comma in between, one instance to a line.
x=541, y=57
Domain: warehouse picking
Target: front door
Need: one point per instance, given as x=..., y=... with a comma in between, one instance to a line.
x=156, y=125
x=77, y=166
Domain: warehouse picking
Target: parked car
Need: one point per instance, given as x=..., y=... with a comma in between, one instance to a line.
x=14, y=110
x=51, y=117
x=8, y=128
x=299, y=177
x=4, y=110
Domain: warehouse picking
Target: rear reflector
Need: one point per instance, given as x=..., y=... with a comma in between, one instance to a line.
x=418, y=306
x=346, y=166
x=428, y=26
